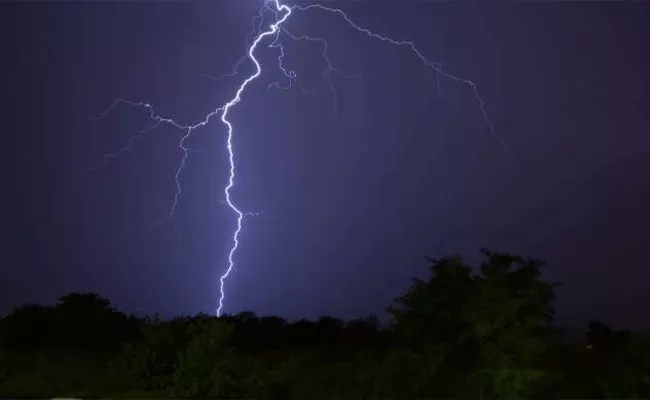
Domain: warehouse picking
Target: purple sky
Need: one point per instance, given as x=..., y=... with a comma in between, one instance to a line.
x=351, y=194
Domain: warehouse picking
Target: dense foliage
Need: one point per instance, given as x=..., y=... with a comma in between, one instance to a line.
x=485, y=332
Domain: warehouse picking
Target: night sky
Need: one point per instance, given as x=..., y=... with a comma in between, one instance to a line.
x=352, y=191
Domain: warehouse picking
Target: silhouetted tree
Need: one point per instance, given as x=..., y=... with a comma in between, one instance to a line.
x=464, y=332
x=88, y=321
x=28, y=327
x=630, y=377
x=207, y=365
x=490, y=329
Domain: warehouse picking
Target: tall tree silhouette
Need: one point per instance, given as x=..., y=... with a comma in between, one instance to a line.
x=489, y=328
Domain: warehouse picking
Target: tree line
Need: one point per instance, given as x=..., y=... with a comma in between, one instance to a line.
x=486, y=332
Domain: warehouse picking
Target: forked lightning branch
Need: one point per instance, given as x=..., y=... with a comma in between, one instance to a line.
x=272, y=36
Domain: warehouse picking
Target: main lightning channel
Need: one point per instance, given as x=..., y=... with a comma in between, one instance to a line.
x=273, y=29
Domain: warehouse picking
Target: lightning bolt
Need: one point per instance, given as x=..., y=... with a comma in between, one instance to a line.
x=281, y=13
x=274, y=28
